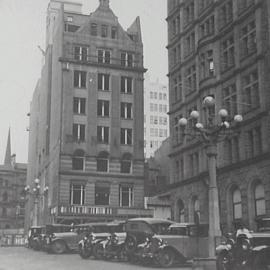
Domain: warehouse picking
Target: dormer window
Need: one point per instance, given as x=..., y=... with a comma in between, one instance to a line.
x=114, y=32
x=93, y=29
x=104, y=30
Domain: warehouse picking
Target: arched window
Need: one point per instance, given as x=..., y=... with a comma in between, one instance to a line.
x=102, y=162
x=197, y=214
x=5, y=197
x=181, y=210
x=126, y=163
x=237, y=204
x=78, y=160
x=259, y=200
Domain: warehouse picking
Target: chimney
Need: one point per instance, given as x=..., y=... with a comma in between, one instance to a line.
x=104, y=3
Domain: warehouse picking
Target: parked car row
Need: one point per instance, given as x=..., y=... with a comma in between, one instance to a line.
x=145, y=240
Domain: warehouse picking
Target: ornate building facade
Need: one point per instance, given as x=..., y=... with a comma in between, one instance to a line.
x=220, y=48
x=12, y=197
x=86, y=120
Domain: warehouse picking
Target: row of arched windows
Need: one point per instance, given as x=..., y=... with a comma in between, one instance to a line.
x=102, y=159
x=256, y=201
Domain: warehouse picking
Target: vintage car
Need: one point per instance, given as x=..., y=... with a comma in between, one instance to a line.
x=49, y=230
x=99, y=232
x=138, y=229
x=179, y=243
x=248, y=250
x=34, y=237
x=62, y=242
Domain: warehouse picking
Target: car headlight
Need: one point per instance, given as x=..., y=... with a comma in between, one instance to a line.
x=85, y=238
x=245, y=247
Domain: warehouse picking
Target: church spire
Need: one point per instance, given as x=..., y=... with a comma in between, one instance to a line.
x=8, y=151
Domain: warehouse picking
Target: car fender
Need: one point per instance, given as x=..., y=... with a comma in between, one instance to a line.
x=81, y=243
x=260, y=248
x=58, y=239
x=167, y=247
x=222, y=248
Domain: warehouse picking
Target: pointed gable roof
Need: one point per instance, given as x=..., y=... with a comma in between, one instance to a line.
x=8, y=151
x=135, y=29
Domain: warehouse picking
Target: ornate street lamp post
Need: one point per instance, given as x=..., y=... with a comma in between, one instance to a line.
x=36, y=193
x=210, y=135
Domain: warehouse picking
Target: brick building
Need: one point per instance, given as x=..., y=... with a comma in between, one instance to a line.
x=86, y=119
x=12, y=198
x=220, y=48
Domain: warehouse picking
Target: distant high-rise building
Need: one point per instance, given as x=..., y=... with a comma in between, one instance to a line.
x=86, y=120
x=12, y=196
x=220, y=48
x=156, y=119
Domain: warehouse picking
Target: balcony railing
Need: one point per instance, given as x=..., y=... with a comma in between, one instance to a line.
x=83, y=210
x=94, y=59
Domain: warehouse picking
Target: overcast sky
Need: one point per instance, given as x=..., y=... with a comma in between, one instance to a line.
x=23, y=29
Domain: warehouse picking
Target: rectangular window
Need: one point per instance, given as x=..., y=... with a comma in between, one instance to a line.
x=126, y=196
x=225, y=14
x=250, y=92
x=79, y=132
x=207, y=28
x=126, y=85
x=114, y=32
x=190, y=44
x=78, y=163
x=77, y=194
x=126, y=59
x=103, y=134
x=126, y=136
x=103, y=108
x=80, y=53
x=104, y=30
x=189, y=13
x=191, y=81
x=102, y=194
x=229, y=99
x=126, y=110
x=93, y=29
x=103, y=82
x=79, y=105
x=206, y=65
x=79, y=79
x=244, y=4
x=248, y=39
x=227, y=53
x=104, y=56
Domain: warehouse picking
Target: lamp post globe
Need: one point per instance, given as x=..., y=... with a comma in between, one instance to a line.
x=209, y=101
x=194, y=114
x=37, y=181
x=238, y=118
x=182, y=122
x=223, y=113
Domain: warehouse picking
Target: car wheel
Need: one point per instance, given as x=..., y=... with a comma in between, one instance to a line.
x=85, y=253
x=130, y=244
x=98, y=251
x=165, y=258
x=59, y=247
x=223, y=262
x=260, y=263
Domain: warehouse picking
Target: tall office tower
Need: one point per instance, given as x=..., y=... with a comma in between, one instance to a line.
x=156, y=119
x=220, y=48
x=86, y=120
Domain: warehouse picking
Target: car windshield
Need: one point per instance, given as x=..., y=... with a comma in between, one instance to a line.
x=100, y=229
x=160, y=228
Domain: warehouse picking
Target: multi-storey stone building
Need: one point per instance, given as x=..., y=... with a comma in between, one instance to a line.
x=12, y=197
x=221, y=48
x=86, y=120
x=156, y=120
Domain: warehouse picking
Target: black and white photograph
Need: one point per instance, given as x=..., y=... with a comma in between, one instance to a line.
x=135, y=134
